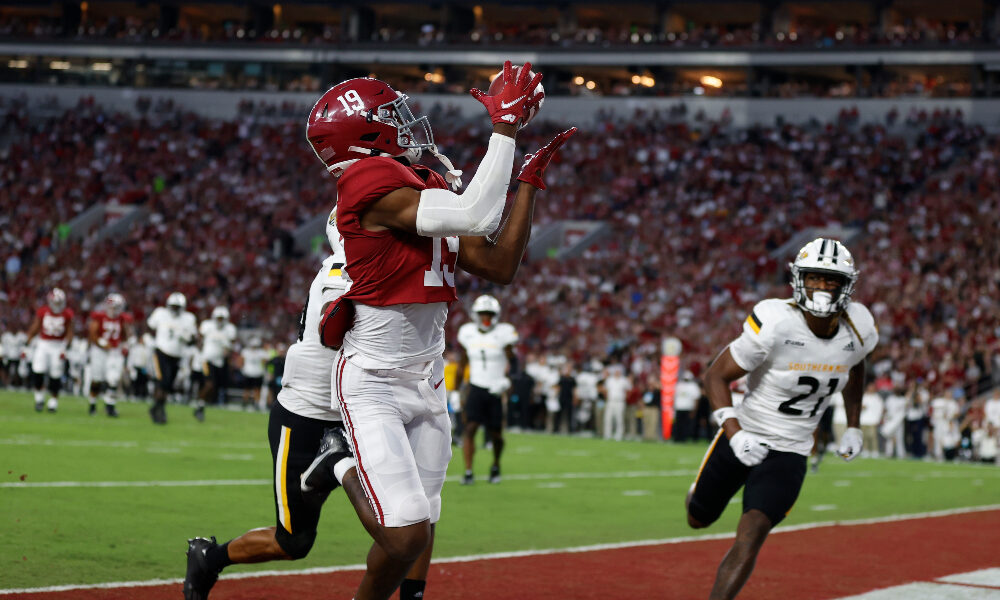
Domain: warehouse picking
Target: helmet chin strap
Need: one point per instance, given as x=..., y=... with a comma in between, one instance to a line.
x=453, y=176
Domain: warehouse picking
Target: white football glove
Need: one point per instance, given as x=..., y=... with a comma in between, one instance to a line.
x=500, y=386
x=455, y=401
x=748, y=448
x=850, y=444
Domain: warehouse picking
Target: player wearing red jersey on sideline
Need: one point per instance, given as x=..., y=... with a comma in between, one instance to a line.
x=404, y=233
x=53, y=324
x=106, y=329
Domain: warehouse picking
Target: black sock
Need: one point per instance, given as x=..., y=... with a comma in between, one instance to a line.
x=412, y=589
x=218, y=557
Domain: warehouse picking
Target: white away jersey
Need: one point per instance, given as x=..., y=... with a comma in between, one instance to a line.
x=485, y=349
x=792, y=372
x=173, y=332
x=216, y=340
x=306, y=386
x=253, y=361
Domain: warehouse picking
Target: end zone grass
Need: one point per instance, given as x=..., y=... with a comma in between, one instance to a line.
x=91, y=499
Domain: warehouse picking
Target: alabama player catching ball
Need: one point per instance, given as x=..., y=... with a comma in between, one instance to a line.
x=404, y=233
x=798, y=352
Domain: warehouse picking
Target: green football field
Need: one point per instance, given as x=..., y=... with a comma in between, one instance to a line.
x=91, y=499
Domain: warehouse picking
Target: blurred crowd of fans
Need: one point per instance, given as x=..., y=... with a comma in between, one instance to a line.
x=907, y=32
x=696, y=210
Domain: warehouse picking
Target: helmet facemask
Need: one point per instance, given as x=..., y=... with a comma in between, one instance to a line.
x=822, y=302
x=486, y=320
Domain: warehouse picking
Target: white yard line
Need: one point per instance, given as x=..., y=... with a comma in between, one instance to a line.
x=526, y=553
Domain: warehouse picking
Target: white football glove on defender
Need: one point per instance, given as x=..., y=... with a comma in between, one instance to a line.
x=850, y=444
x=748, y=448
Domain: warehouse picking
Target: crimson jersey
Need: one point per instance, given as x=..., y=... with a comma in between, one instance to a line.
x=108, y=329
x=392, y=267
x=54, y=326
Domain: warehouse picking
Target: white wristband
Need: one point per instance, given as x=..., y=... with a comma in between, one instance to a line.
x=726, y=412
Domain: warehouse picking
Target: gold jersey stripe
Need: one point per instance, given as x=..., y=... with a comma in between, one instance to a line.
x=334, y=273
x=280, y=479
x=754, y=322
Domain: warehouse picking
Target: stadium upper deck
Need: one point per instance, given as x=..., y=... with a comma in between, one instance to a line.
x=763, y=48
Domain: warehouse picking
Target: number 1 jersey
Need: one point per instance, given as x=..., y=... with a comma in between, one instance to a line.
x=792, y=372
x=402, y=282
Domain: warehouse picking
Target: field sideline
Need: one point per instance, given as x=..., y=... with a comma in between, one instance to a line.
x=90, y=500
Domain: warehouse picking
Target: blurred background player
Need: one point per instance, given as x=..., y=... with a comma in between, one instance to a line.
x=138, y=362
x=53, y=324
x=13, y=348
x=796, y=354
x=217, y=337
x=173, y=329
x=106, y=329
x=487, y=348
x=253, y=358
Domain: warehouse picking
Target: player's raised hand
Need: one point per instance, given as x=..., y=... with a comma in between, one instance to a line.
x=850, y=444
x=748, y=448
x=536, y=163
x=508, y=104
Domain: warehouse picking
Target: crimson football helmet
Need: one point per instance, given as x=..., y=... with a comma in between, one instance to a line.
x=56, y=300
x=365, y=117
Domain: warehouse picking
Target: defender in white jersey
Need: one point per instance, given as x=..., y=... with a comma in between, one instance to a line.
x=487, y=348
x=174, y=329
x=305, y=447
x=796, y=353
x=217, y=338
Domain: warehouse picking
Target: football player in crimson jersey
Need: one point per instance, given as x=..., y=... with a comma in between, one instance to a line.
x=404, y=233
x=797, y=353
x=53, y=324
x=106, y=329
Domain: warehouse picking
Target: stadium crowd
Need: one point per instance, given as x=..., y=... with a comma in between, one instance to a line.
x=696, y=210
x=797, y=33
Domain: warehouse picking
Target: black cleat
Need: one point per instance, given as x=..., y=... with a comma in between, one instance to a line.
x=158, y=414
x=495, y=474
x=111, y=410
x=200, y=578
x=318, y=478
x=468, y=478
x=199, y=413
x=39, y=406
x=92, y=410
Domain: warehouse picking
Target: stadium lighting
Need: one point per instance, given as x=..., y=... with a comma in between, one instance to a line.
x=578, y=80
x=636, y=79
x=101, y=66
x=434, y=77
x=17, y=64
x=591, y=85
x=59, y=65
x=647, y=81
x=710, y=81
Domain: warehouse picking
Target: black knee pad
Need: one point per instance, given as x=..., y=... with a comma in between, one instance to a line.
x=37, y=379
x=55, y=384
x=298, y=545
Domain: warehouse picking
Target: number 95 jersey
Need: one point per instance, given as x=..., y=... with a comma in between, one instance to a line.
x=792, y=372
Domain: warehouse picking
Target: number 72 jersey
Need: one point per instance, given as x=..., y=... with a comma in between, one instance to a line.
x=792, y=373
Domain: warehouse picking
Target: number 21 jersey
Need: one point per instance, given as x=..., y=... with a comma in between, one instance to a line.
x=402, y=282
x=792, y=372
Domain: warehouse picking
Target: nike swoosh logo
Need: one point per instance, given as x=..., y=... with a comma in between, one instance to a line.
x=506, y=105
x=438, y=384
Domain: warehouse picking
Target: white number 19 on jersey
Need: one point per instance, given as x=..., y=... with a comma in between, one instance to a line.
x=439, y=273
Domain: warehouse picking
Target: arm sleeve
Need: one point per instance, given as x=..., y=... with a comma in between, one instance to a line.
x=751, y=348
x=476, y=211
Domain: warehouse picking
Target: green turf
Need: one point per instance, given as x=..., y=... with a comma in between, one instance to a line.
x=554, y=494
